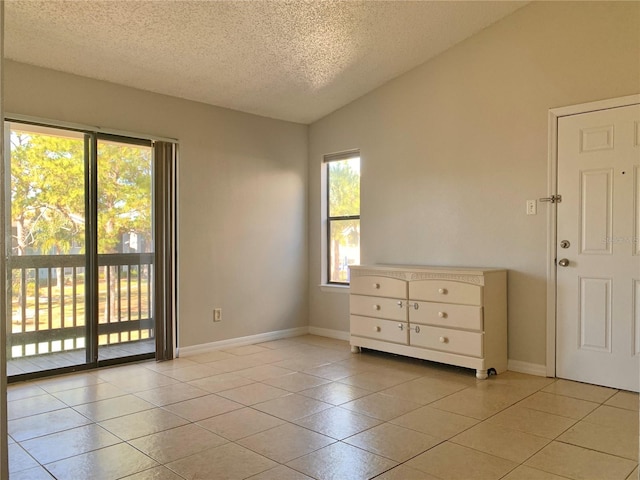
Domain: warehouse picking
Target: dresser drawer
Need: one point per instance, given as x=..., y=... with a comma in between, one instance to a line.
x=446, y=291
x=378, y=286
x=453, y=341
x=446, y=315
x=386, y=330
x=377, y=307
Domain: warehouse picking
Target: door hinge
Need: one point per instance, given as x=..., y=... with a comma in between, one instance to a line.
x=552, y=199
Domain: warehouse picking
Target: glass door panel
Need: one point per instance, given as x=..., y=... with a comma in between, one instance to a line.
x=81, y=259
x=47, y=261
x=125, y=248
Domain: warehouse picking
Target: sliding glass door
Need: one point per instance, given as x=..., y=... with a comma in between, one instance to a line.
x=82, y=259
x=125, y=248
x=47, y=310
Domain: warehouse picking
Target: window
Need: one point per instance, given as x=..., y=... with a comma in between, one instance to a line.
x=343, y=215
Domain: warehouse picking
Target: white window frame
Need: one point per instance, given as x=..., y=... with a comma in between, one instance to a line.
x=325, y=284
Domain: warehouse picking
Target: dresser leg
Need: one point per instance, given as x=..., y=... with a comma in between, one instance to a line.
x=482, y=374
x=355, y=349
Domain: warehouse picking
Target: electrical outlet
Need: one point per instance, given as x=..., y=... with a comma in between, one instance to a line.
x=217, y=314
x=532, y=207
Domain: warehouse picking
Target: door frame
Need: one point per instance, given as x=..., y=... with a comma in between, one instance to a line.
x=552, y=189
x=169, y=329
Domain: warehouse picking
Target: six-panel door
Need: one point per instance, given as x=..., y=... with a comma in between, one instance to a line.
x=598, y=279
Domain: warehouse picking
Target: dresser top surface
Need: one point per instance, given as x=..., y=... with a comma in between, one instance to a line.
x=429, y=269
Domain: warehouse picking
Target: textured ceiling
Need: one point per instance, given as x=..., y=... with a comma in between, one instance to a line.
x=292, y=60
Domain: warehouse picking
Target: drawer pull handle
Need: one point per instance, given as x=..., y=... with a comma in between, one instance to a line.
x=376, y=286
x=416, y=328
x=443, y=291
x=376, y=307
x=444, y=340
x=376, y=329
x=400, y=326
x=416, y=306
x=442, y=314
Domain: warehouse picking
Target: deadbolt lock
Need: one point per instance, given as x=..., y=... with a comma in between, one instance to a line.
x=565, y=244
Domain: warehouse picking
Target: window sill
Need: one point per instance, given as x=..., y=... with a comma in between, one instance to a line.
x=332, y=288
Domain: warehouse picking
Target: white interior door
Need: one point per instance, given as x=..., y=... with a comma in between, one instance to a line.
x=598, y=291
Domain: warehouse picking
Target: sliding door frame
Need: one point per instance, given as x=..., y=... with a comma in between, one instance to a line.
x=158, y=281
x=164, y=303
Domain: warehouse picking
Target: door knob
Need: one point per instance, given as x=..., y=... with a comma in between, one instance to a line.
x=563, y=262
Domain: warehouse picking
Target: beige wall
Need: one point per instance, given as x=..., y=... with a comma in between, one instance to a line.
x=242, y=197
x=453, y=149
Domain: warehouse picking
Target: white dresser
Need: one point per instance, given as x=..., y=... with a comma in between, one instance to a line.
x=449, y=315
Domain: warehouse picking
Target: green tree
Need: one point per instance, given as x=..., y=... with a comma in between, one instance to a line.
x=124, y=194
x=48, y=195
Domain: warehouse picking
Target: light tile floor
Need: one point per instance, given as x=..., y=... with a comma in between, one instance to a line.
x=306, y=407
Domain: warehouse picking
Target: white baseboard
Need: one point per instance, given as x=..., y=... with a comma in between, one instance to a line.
x=241, y=341
x=512, y=365
x=328, y=332
x=526, y=367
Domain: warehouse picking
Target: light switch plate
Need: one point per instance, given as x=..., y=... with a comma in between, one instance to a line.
x=532, y=207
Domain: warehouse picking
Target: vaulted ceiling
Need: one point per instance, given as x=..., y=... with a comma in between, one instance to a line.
x=291, y=60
